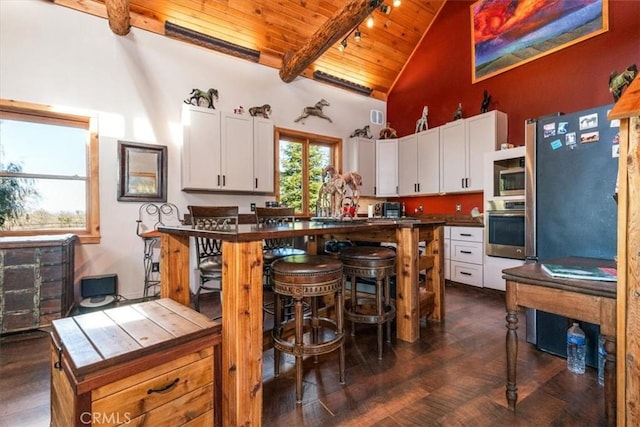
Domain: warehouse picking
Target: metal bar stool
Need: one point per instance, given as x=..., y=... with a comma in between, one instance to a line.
x=307, y=276
x=369, y=262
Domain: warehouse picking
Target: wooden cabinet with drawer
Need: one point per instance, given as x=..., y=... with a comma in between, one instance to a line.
x=153, y=363
x=467, y=254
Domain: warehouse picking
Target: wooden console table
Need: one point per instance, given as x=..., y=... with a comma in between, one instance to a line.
x=242, y=274
x=587, y=300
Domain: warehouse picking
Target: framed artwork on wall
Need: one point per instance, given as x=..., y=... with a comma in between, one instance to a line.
x=505, y=35
x=142, y=172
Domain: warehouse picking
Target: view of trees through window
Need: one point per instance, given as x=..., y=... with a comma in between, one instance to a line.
x=301, y=160
x=43, y=174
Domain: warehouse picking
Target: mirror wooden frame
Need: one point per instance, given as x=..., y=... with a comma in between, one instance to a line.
x=146, y=182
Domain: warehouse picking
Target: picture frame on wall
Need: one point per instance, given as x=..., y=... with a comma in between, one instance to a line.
x=505, y=35
x=142, y=172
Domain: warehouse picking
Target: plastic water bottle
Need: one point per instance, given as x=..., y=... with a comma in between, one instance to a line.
x=576, y=349
x=601, y=360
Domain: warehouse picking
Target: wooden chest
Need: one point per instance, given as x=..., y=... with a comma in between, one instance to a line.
x=153, y=363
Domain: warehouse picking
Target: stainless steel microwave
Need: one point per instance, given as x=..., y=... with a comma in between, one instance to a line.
x=512, y=182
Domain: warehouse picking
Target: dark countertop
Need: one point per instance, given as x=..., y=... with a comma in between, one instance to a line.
x=456, y=220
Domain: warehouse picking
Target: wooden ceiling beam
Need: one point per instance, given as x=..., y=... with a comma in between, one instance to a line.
x=334, y=30
x=118, y=15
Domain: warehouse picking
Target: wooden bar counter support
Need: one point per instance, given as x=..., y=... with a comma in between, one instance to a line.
x=587, y=300
x=242, y=334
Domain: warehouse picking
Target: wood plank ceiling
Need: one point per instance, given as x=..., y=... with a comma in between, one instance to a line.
x=274, y=31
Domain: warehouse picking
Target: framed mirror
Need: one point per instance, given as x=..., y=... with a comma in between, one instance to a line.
x=142, y=172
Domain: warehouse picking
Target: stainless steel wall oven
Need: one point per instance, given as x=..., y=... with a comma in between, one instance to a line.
x=505, y=231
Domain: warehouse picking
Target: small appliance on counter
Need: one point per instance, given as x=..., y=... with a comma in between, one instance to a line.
x=388, y=209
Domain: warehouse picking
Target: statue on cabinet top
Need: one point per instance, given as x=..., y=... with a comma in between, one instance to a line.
x=486, y=100
x=421, y=123
x=458, y=114
x=388, y=132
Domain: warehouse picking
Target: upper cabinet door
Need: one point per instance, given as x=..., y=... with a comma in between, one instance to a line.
x=453, y=151
x=237, y=152
x=360, y=156
x=485, y=133
x=263, y=149
x=201, y=148
x=428, y=145
x=408, y=165
x=386, y=167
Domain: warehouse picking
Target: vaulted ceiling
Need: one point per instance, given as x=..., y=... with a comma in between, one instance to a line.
x=299, y=37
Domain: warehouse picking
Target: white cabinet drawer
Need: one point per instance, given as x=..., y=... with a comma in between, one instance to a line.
x=470, y=274
x=466, y=252
x=469, y=234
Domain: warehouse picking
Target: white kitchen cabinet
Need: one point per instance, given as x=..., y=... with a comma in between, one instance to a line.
x=201, y=148
x=263, y=155
x=360, y=156
x=387, y=167
x=223, y=151
x=418, y=163
x=492, y=271
x=463, y=144
x=467, y=255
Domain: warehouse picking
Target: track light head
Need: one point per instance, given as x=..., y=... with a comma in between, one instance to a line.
x=343, y=45
x=386, y=9
x=357, y=35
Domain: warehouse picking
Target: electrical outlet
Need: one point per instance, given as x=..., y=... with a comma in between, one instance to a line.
x=458, y=207
x=253, y=207
x=155, y=267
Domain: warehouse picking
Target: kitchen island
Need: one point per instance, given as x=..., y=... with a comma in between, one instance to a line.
x=242, y=275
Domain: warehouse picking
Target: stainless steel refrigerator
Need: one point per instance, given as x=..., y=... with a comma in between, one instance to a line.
x=571, y=176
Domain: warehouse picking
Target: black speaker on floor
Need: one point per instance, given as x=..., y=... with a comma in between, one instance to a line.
x=98, y=291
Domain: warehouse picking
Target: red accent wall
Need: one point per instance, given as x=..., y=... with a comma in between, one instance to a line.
x=572, y=79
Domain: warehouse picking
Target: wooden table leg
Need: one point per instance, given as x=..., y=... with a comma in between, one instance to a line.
x=608, y=331
x=242, y=333
x=512, y=343
x=435, y=248
x=174, y=268
x=407, y=297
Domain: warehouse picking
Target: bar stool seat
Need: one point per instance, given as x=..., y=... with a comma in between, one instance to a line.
x=307, y=276
x=369, y=262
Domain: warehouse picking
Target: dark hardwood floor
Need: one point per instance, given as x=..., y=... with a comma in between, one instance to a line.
x=454, y=375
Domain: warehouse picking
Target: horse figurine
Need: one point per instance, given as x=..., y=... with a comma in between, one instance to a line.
x=486, y=100
x=618, y=81
x=353, y=180
x=198, y=95
x=264, y=111
x=388, y=132
x=421, y=123
x=458, y=114
x=364, y=133
x=316, y=110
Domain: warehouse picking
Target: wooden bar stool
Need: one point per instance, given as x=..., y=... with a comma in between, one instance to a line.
x=369, y=262
x=307, y=276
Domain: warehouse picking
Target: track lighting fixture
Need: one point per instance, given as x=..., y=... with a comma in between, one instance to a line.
x=343, y=45
x=369, y=22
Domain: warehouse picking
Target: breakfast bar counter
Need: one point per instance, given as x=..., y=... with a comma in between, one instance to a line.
x=242, y=275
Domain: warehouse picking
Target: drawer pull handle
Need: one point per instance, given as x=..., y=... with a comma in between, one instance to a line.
x=165, y=388
x=466, y=252
x=465, y=234
x=465, y=273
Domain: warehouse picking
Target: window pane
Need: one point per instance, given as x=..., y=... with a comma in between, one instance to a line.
x=291, y=175
x=319, y=158
x=44, y=149
x=53, y=205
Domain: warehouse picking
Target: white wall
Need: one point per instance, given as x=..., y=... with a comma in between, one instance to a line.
x=136, y=84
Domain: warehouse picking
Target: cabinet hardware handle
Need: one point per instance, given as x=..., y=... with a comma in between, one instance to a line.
x=418, y=187
x=462, y=182
x=465, y=234
x=224, y=180
x=466, y=180
x=218, y=180
x=466, y=252
x=165, y=388
x=256, y=182
x=465, y=273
